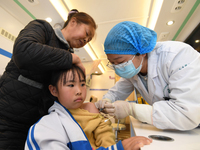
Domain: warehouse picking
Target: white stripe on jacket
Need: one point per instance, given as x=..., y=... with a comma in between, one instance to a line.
x=59, y=130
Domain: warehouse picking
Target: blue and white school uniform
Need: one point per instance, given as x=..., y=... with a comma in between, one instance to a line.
x=60, y=131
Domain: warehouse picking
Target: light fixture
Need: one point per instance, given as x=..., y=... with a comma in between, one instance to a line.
x=101, y=67
x=197, y=41
x=155, y=11
x=171, y=22
x=90, y=52
x=60, y=7
x=48, y=19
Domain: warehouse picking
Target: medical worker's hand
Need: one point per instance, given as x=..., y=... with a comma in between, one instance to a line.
x=136, y=142
x=141, y=112
x=100, y=104
x=123, y=109
x=120, y=109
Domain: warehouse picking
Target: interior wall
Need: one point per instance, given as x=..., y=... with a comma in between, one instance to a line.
x=13, y=26
x=100, y=84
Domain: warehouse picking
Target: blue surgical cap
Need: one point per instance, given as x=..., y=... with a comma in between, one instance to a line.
x=130, y=38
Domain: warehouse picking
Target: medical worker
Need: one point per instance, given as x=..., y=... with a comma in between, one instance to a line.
x=166, y=74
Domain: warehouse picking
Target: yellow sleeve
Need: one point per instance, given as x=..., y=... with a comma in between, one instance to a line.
x=104, y=134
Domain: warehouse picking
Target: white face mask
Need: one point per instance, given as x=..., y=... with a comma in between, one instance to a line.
x=127, y=70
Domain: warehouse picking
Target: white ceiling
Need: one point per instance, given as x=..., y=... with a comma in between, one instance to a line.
x=108, y=13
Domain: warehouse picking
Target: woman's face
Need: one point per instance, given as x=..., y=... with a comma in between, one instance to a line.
x=78, y=34
x=119, y=59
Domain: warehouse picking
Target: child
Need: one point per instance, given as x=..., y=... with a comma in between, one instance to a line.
x=72, y=124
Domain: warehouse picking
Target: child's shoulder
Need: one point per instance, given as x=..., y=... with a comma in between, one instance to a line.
x=90, y=107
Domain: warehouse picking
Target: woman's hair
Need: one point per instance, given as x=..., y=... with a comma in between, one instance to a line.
x=63, y=75
x=81, y=17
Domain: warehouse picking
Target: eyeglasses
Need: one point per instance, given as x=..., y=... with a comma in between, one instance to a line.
x=113, y=66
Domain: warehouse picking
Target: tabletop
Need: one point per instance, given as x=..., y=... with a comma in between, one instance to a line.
x=182, y=140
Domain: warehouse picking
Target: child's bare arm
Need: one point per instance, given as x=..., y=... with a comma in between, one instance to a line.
x=90, y=107
x=135, y=143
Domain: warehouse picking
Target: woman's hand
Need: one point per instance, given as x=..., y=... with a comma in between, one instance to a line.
x=136, y=142
x=77, y=61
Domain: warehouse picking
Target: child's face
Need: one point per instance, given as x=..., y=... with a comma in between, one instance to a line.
x=73, y=93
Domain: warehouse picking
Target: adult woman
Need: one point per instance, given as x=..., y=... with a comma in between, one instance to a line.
x=38, y=50
x=167, y=77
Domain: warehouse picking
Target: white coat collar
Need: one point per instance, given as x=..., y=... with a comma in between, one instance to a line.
x=152, y=74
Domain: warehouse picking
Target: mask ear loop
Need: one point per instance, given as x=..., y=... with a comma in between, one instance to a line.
x=141, y=63
x=142, y=60
x=133, y=57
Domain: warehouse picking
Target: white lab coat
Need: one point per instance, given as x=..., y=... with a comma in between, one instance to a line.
x=174, y=72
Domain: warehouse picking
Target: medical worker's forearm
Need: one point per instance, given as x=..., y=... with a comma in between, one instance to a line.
x=143, y=113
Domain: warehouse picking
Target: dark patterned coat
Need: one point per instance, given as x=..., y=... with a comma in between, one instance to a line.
x=37, y=52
